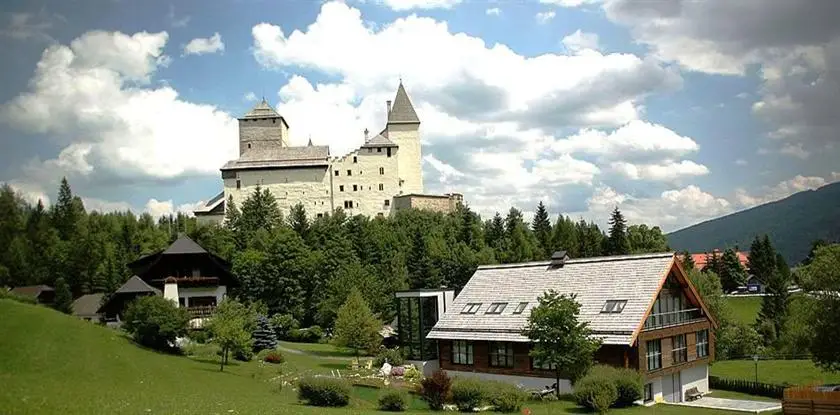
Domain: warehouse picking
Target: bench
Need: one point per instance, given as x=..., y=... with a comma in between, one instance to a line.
x=692, y=394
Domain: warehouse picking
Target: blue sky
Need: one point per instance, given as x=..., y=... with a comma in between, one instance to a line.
x=674, y=111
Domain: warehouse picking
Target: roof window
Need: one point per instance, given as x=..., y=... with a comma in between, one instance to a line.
x=614, y=306
x=496, y=308
x=471, y=308
x=520, y=308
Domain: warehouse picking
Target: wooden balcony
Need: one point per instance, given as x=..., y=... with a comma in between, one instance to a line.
x=673, y=318
x=201, y=311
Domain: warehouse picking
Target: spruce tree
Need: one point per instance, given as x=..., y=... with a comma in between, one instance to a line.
x=64, y=214
x=770, y=268
x=732, y=273
x=232, y=214
x=298, y=220
x=63, y=297
x=687, y=260
x=713, y=262
x=264, y=336
x=495, y=231
x=421, y=270
x=541, y=225
x=617, y=242
x=259, y=211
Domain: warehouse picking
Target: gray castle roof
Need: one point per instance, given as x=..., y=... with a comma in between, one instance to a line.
x=261, y=110
x=635, y=278
x=402, y=112
x=379, y=141
x=276, y=157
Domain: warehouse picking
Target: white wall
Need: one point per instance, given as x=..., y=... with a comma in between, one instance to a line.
x=187, y=292
x=657, y=391
x=524, y=381
x=427, y=367
x=367, y=198
x=697, y=376
x=407, y=136
x=310, y=186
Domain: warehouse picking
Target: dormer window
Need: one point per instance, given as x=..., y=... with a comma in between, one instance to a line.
x=471, y=308
x=614, y=306
x=520, y=308
x=496, y=308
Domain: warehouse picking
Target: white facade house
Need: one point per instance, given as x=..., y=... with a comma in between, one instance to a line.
x=364, y=181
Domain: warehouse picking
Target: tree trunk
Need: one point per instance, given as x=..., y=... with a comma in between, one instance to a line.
x=223, y=359
x=557, y=384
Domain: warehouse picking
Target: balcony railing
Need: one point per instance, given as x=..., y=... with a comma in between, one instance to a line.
x=201, y=311
x=673, y=318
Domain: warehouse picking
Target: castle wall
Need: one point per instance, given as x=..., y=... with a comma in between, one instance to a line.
x=262, y=133
x=407, y=136
x=310, y=186
x=364, y=165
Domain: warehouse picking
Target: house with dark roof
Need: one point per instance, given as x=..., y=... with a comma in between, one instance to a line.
x=86, y=307
x=43, y=294
x=643, y=308
x=184, y=273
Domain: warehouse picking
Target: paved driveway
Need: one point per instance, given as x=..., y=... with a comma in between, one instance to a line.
x=739, y=405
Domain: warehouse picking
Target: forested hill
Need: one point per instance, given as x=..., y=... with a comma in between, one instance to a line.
x=792, y=223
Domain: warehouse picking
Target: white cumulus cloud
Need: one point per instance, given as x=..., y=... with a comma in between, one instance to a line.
x=201, y=46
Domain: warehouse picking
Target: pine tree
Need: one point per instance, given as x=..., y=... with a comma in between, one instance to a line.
x=259, y=211
x=264, y=336
x=687, y=261
x=355, y=325
x=495, y=231
x=63, y=297
x=232, y=214
x=617, y=242
x=732, y=273
x=421, y=271
x=64, y=213
x=298, y=220
x=770, y=268
x=713, y=262
x=541, y=226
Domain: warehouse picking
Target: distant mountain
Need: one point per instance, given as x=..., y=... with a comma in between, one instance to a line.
x=792, y=223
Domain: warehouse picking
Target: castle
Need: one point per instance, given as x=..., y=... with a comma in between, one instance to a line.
x=383, y=175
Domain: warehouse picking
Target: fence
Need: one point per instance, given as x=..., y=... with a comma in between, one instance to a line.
x=769, y=390
x=808, y=400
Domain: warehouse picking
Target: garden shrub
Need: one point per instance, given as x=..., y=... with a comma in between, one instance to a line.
x=468, y=394
x=273, y=356
x=323, y=391
x=307, y=335
x=506, y=397
x=412, y=374
x=394, y=357
x=435, y=389
x=198, y=336
x=397, y=371
x=155, y=322
x=630, y=387
x=393, y=400
x=283, y=324
x=596, y=392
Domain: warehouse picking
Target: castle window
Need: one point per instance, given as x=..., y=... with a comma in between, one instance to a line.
x=320, y=215
x=370, y=150
x=238, y=184
x=348, y=204
x=381, y=170
x=355, y=159
x=389, y=151
x=378, y=149
x=336, y=172
x=381, y=187
x=355, y=188
x=341, y=188
x=249, y=145
x=349, y=172
x=273, y=121
x=387, y=202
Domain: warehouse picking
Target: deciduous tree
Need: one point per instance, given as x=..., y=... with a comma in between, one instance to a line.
x=355, y=326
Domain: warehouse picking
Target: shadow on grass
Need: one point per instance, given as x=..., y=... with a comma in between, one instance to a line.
x=333, y=366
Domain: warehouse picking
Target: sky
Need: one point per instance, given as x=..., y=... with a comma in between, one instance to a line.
x=674, y=111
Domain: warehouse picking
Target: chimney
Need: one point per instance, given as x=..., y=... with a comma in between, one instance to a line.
x=558, y=259
x=366, y=135
x=388, y=109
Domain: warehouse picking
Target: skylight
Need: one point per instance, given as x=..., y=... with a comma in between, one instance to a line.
x=471, y=308
x=520, y=308
x=496, y=308
x=614, y=306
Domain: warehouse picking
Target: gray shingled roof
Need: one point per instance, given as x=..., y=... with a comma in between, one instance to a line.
x=261, y=110
x=211, y=204
x=87, y=305
x=402, y=112
x=184, y=245
x=379, y=141
x=136, y=285
x=281, y=157
x=31, y=290
x=635, y=278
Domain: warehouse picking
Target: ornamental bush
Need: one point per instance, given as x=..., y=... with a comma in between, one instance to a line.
x=155, y=322
x=468, y=394
x=596, y=391
x=274, y=357
x=264, y=336
x=394, y=357
x=393, y=400
x=628, y=383
x=506, y=397
x=324, y=391
x=435, y=389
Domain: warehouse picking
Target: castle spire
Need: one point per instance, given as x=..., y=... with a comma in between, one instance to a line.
x=402, y=111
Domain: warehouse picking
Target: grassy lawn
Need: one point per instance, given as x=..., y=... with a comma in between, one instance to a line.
x=320, y=349
x=796, y=372
x=55, y=364
x=744, y=309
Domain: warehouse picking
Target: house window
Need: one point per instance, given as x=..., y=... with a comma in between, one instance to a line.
x=381, y=170
x=381, y=187
x=387, y=202
x=462, y=352
x=501, y=354
x=520, y=308
x=355, y=188
x=341, y=188
x=614, y=306
x=238, y=184
x=355, y=159
x=679, y=351
x=471, y=308
x=348, y=204
x=648, y=392
x=654, y=354
x=349, y=172
x=336, y=172
x=496, y=308
x=702, y=343
x=389, y=151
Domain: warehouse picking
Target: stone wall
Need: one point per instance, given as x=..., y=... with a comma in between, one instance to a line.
x=262, y=133
x=437, y=203
x=309, y=186
x=368, y=168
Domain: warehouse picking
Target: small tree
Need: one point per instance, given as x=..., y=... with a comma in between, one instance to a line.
x=821, y=277
x=155, y=321
x=264, y=335
x=560, y=339
x=356, y=327
x=63, y=296
x=230, y=328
